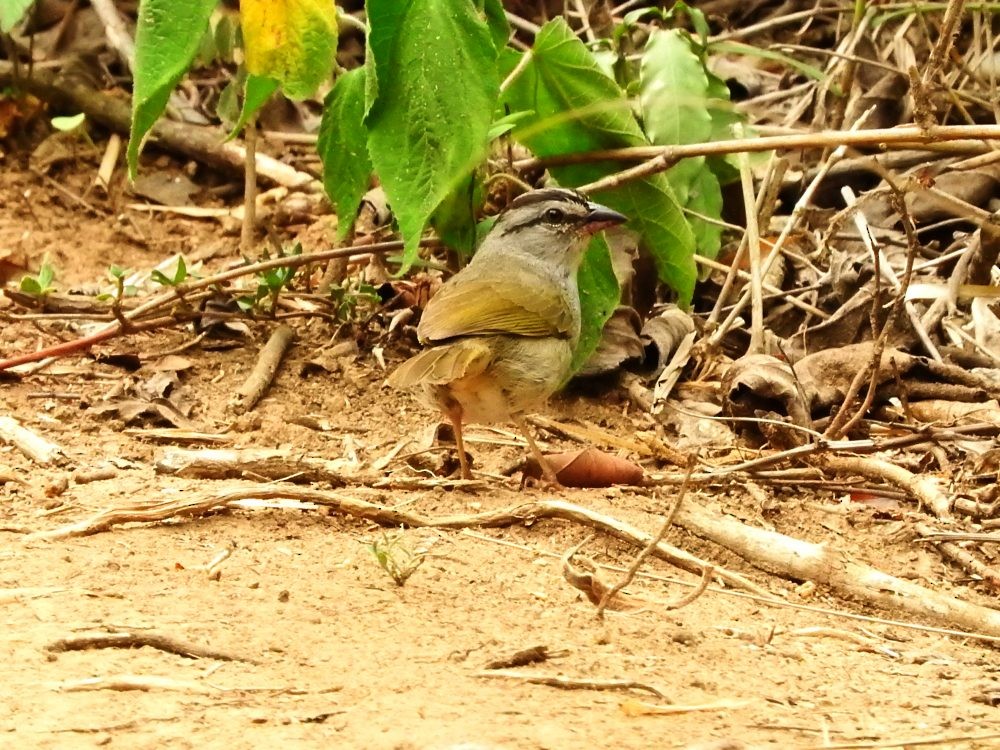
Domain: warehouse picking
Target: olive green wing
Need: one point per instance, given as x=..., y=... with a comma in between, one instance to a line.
x=443, y=364
x=519, y=304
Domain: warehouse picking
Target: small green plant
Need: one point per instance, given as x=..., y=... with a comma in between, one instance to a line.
x=120, y=290
x=178, y=277
x=348, y=298
x=270, y=284
x=394, y=558
x=39, y=285
x=117, y=274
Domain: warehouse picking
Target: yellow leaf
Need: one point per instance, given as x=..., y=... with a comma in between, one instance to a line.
x=291, y=41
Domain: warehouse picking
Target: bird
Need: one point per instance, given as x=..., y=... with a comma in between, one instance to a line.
x=500, y=333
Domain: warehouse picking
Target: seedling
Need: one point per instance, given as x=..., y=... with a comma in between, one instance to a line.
x=178, y=277
x=349, y=299
x=41, y=284
x=394, y=558
x=270, y=283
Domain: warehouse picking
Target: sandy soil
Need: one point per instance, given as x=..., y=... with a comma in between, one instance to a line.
x=326, y=650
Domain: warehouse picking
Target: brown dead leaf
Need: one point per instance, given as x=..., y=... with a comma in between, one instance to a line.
x=619, y=343
x=826, y=376
x=588, y=467
x=759, y=384
x=172, y=363
x=165, y=188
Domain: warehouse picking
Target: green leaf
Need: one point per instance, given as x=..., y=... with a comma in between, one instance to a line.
x=343, y=147
x=496, y=19
x=431, y=92
x=737, y=48
x=454, y=220
x=599, y=296
x=167, y=35
x=291, y=41
x=705, y=198
x=257, y=91
x=68, y=123
x=11, y=13
x=578, y=108
x=505, y=124
x=46, y=275
x=673, y=90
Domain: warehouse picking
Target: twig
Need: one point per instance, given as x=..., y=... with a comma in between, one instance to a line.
x=638, y=708
x=890, y=275
x=658, y=158
x=125, y=682
x=32, y=445
x=923, y=488
x=950, y=550
x=571, y=683
x=524, y=657
x=768, y=601
x=945, y=41
x=138, y=640
x=756, y=345
x=249, y=225
x=668, y=521
x=798, y=211
x=114, y=28
x=268, y=362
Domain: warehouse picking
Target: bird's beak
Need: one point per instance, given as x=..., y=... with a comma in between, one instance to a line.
x=601, y=217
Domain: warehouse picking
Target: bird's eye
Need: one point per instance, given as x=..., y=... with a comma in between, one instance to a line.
x=554, y=215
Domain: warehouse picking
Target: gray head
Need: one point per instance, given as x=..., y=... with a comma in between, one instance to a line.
x=555, y=215
x=551, y=225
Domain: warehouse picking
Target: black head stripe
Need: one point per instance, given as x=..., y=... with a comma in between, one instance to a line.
x=547, y=194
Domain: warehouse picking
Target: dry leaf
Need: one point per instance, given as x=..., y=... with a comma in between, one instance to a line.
x=588, y=467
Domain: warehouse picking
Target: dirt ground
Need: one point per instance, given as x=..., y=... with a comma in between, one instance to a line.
x=327, y=650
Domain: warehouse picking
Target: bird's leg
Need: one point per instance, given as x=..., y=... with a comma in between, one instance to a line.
x=455, y=416
x=543, y=464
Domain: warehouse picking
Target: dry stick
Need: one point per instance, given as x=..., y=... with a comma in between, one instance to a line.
x=947, y=741
x=841, y=425
x=572, y=683
x=205, y=144
x=777, y=553
x=659, y=158
x=890, y=275
x=166, y=643
x=34, y=446
x=945, y=41
x=963, y=558
x=200, y=504
x=107, y=167
x=756, y=345
x=259, y=380
x=798, y=211
x=668, y=521
x=734, y=267
x=923, y=488
x=898, y=200
x=773, y=292
x=123, y=682
x=114, y=28
x=249, y=226
x=799, y=453
x=116, y=328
